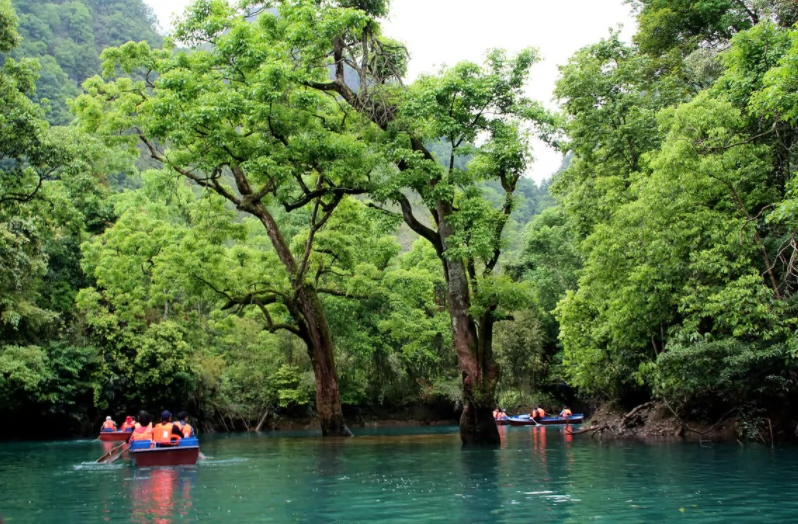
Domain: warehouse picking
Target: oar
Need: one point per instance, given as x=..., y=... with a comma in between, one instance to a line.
x=111, y=452
x=113, y=459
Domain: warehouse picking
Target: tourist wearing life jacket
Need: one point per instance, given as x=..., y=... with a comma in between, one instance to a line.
x=496, y=413
x=109, y=425
x=166, y=433
x=537, y=413
x=566, y=413
x=143, y=428
x=128, y=424
x=185, y=427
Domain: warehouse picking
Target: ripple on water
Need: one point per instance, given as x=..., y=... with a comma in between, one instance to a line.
x=403, y=478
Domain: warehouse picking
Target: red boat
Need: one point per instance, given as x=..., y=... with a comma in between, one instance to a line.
x=184, y=454
x=525, y=420
x=115, y=436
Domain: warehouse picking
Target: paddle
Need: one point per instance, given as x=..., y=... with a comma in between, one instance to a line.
x=113, y=459
x=108, y=455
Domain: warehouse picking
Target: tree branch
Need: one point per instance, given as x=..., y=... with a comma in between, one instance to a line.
x=420, y=229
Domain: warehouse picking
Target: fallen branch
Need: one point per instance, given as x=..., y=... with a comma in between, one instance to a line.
x=593, y=429
x=634, y=413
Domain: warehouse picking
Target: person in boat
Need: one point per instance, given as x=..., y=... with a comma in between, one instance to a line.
x=566, y=412
x=143, y=428
x=129, y=424
x=109, y=425
x=537, y=414
x=185, y=427
x=496, y=413
x=166, y=433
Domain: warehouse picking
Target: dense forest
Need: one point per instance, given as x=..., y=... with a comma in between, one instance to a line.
x=119, y=281
x=265, y=220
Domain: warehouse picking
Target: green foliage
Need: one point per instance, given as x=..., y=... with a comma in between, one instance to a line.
x=684, y=226
x=67, y=36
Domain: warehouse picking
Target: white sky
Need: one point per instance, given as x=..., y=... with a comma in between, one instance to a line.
x=444, y=32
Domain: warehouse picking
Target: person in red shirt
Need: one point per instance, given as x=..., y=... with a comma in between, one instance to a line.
x=128, y=424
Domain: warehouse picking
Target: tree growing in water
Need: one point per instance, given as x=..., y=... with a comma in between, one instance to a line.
x=304, y=107
x=462, y=105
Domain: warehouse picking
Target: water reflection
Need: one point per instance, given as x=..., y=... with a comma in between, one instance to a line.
x=161, y=495
x=535, y=475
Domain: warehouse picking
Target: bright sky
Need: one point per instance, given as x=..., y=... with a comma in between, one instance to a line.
x=444, y=32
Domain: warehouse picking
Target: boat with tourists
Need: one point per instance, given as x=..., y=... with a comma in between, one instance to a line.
x=526, y=420
x=184, y=453
x=115, y=436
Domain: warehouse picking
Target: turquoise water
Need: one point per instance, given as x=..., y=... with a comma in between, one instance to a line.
x=407, y=475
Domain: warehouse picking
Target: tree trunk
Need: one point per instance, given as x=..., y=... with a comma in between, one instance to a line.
x=314, y=330
x=316, y=333
x=480, y=373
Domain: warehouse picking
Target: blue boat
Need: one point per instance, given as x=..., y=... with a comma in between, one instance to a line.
x=526, y=420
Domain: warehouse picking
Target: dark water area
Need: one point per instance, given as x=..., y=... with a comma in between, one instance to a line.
x=404, y=475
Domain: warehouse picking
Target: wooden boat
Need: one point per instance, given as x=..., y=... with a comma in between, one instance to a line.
x=184, y=454
x=525, y=420
x=115, y=436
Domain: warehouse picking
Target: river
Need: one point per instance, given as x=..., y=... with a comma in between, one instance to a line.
x=404, y=475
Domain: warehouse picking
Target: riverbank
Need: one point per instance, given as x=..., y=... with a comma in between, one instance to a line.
x=656, y=420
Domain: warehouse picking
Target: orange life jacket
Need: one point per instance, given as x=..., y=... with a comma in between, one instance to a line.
x=126, y=426
x=495, y=414
x=142, y=432
x=186, y=428
x=540, y=413
x=109, y=424
x=162, y=434
x=566, y=413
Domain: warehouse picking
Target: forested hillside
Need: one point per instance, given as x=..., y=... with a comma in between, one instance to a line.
x=112, y=302
x=67, y=37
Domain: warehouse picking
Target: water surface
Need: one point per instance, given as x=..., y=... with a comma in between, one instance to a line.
x=404, y=475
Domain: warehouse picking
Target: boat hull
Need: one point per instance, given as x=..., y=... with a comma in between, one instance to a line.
x=115, y=436
x=503, y=422
x=173, y=456
x=548, y=421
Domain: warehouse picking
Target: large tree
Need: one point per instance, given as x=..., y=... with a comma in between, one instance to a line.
x=332, y=43
x=232, y=121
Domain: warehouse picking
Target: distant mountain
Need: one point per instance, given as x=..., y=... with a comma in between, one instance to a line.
x=67, y=37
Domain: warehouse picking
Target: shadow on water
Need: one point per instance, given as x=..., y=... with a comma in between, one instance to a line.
x=480, y=499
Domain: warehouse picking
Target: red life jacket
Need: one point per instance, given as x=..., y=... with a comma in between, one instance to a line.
x=142, y=432
x=127, y=427
x=162, y=434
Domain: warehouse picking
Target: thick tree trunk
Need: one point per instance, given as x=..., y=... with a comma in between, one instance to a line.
x=314, y=330
x=317, y=336
x=480, y=373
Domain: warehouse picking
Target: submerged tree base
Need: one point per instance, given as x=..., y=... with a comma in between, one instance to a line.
x=335, y=430
x=477, y=426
